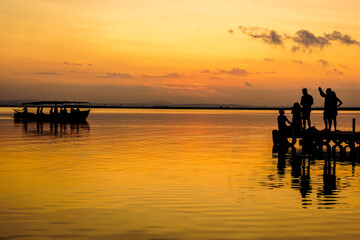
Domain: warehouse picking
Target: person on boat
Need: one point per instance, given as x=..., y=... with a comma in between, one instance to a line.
x=56, y=111
x=25, y=110
x=296, y=119
x=282, y=120
x=72, y=110
x=65, y=110
x=306, y=102
x=41, y=110
x=327, y=107
x=335, y=102
x=51, y=111
x=77, y=109
x=38, y=110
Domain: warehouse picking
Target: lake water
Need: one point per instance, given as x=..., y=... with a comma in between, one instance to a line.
x=169, y=174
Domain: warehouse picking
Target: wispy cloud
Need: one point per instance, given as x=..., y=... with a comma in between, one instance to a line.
x=205, y=71
x=170, y=75
x=335, y=71
x=194, y=87
x=234, y=71
x=268, y=59
x=48, y=73
x=68, y=63
x=268, y=36
x=302, y=40
x=323, y=62
x=76, y=64
x=345, y=39
x=298, y=61
x=115, y=75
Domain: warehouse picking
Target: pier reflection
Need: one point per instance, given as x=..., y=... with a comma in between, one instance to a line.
x=315, y=177
x=50, y=129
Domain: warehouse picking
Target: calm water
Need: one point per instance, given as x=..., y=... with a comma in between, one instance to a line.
x=169, y=174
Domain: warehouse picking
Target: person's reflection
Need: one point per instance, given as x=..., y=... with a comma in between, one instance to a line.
x=25, y=127
x=295, y=171
x=329, y=177
x=305, y=185
x=55, y=128
x=281, y=162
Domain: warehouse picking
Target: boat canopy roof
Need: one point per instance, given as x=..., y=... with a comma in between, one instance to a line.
x=53, y=103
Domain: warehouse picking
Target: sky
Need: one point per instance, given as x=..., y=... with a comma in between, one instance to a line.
x=250, y=52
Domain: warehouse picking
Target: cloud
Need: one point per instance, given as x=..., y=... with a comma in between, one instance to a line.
x=323, y=62
x=268, y=36
x=343, y=66
x=305, y=40
x=234, y=71
x=48, y=73
x=68, y=63
x=302, y=40
x=170, y=75
x=231, y=31
x=194, y=87
x=335, y=71
x=248, y=84
x=298, y=61
x=115, y=75
x=268, y=59
x=344, y=39
x=205, y=71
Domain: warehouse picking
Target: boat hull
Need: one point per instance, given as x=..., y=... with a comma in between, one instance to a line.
x=74, y=117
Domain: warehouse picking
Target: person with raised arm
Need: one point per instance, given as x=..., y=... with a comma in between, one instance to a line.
x=306, y=102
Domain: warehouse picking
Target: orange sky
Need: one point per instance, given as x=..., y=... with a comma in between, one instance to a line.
x=180, y=51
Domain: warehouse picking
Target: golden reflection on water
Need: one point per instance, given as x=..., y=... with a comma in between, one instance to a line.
x=169, y=174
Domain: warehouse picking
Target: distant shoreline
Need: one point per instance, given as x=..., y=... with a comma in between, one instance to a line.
x=195, y=108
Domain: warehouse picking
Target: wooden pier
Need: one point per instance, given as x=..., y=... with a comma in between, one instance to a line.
x=341, y=143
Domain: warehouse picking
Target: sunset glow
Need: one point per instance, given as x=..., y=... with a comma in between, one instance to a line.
x=255, y=52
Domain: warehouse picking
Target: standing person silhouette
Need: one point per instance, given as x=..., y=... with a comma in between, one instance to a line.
x=327, y=107
x=306, y=102
x=334, y=100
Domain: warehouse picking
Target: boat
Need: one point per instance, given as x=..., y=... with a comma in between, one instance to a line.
x=62, y=116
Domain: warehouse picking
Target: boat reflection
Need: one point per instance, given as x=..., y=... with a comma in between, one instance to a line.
x=53, y=129
x=315, y=178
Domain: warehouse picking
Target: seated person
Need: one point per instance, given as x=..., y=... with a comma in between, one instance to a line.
x=282, y=119
x=296, y=119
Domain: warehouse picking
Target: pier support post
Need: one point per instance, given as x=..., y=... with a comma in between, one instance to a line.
x=353, y=125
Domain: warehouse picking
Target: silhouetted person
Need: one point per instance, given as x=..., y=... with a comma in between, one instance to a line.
x=282, y=120
x=327, y=107
x=25, y=110
x=306, y=102
x=335, y=102
x=296, y=119
x=72, y=110
x=51, y=111
x=38, y=110
x=77, y=110
x=56, y=110
x=41, y=110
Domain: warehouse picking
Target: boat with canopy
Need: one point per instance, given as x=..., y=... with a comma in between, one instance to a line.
x=54, y=115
